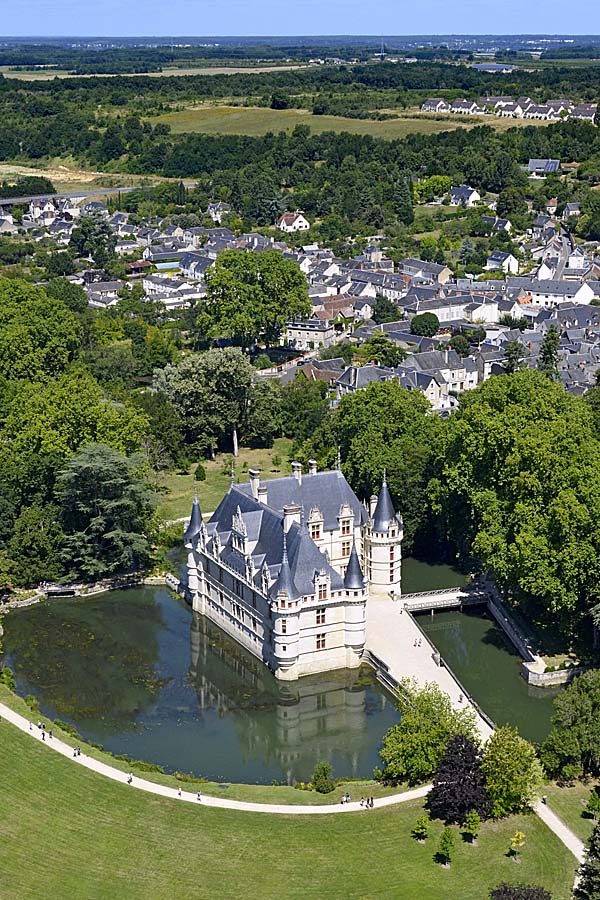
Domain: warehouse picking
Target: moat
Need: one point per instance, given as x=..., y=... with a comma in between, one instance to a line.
x=137, y=672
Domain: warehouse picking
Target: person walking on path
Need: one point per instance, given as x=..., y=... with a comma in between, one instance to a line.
x=199, y=797
x=179, y=792
x=129, y=778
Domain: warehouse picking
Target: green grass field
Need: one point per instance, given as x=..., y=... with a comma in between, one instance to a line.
x=259, y=120
x=71, y=833
x=177, y=490
x=569, y=803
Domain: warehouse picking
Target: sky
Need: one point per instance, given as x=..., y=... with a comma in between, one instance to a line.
x=300, y=17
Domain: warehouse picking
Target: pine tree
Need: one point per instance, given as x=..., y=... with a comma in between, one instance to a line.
x=459, y=783
x=548, y=361
x=589, y=872
x=421, y=830
x=446, y=847
x=403, y=200
x=472, y=825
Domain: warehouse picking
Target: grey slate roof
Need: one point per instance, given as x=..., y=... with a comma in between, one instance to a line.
x=354, y=578
x=384, y=513
x=195, y=524
x=265, y=536
x=326, y=490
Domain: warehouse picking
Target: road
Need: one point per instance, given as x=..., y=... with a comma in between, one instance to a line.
x=81, y=195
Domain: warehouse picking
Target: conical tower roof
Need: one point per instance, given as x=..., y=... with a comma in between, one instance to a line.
x=384, y=513
x=285, y=581
x=193, y=529
x=354, y=578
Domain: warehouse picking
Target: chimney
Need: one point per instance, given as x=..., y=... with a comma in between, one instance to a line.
x=254, y=481
x=292, y=512
x=372, y=504
x=312, y=467
x=297, y=471
x=262, y=493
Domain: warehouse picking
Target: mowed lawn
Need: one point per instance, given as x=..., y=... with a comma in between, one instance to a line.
x=177, y=490
x=259, y=120
x=569, y=804
x=70, y=833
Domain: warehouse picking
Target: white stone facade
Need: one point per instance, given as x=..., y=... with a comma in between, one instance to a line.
x=278, y=568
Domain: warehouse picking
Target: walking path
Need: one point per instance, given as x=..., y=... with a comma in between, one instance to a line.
x=394, y=637
x=570, y=840
x=549, y=818
x=102, y=768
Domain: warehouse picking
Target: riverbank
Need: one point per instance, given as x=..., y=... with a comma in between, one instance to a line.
x=74, y=833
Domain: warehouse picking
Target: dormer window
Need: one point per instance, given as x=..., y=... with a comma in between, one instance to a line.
x=322, y=592
x=315, y=531
x=345, y=526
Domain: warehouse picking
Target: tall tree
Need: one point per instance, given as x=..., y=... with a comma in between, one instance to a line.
x=210, y=392
x=250, y=296
x=413, y=749
x=573, y=746
x=588, y=886
x=512, y=772
x=459, y=783
x=549, y=354
x=105, y=508
x=514, y=354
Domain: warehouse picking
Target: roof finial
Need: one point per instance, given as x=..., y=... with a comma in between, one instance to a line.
x=195, y=489
x=284, y=558
x=232, y=471
x=339, y=459
x=385, y=476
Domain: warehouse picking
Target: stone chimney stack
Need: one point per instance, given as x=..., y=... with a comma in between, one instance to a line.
x=292, y=512
x=262, y=493
x=312, y=467
x=372, y=504
x=254, y=481
x=297, y=471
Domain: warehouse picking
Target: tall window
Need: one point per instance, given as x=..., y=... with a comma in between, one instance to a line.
x=320, y=617
x=320, y=642
x=392, y=554
x=322, y=592
x=315, y=531
x=391, y=573
x=284, y=627
x=345, y=548
x=346, y=526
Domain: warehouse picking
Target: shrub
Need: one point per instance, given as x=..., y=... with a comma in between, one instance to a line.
x=472, y=825
x=69, y=729
x=182, y=776
x=32, y=702
x=421, y=830
x=323, y=778
x=506, y=891
x=7, y=678
x=200, y=473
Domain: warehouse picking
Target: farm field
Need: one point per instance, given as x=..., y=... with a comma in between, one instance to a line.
x=42, y=74
x=260, y=120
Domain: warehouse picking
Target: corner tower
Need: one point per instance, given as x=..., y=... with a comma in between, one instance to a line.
x=383, y=545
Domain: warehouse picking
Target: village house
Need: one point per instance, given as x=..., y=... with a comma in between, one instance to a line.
x=290, y=222
x=464, y=195
x=436, y=105
x=499, y=261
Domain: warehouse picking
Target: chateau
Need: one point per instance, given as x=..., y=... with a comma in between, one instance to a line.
x=280, y=565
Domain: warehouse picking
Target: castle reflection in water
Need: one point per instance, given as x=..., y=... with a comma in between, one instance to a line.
x=290, y=724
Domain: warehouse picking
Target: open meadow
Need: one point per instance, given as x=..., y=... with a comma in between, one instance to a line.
x=259, y=120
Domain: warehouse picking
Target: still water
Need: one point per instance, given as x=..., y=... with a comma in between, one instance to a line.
x=488, y=666
x=139, y=673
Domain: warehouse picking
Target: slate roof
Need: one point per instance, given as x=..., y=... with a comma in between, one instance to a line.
x=384, y=513
x=265, y=537
x=326, y=490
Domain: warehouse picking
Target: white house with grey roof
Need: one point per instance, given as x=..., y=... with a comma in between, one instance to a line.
x=278, y=567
